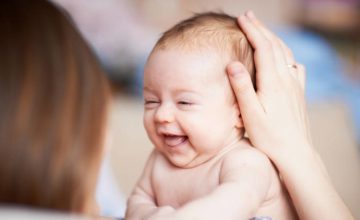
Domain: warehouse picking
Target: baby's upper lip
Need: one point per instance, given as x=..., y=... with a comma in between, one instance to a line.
x=169, y=133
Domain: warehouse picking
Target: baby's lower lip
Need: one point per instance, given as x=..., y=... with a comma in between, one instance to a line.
x=174, y=140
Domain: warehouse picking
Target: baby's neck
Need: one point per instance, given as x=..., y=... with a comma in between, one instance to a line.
x=236, y=142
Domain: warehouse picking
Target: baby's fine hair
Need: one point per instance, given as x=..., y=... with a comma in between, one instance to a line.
x=210, y=30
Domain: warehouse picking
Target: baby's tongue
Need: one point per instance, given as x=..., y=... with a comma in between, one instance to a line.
x=173, y=141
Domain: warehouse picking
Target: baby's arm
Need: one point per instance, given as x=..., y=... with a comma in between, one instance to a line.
x=141, y=203
x=244, y=182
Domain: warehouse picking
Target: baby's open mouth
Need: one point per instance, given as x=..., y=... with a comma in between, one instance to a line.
x=174, y=140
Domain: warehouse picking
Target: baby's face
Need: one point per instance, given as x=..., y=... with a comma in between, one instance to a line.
x=190, y=113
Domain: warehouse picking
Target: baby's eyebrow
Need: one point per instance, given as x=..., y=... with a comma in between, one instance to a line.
x=192, y=93
x=185, y=91
x=147, y=89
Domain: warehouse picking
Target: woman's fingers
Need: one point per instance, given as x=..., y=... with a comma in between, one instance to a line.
x=301, y=74
x=280, y=56
x=277, y=108
x=263, y=52
x=274, y=61
x=251, y=109
x=288, y=54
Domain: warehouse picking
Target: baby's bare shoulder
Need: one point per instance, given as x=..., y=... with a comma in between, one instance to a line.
x=249, y=169
x=245, y=156
x=246, y=152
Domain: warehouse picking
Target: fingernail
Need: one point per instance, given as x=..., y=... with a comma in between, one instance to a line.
x=236, y=69
x=243, y=18
x=250, y=14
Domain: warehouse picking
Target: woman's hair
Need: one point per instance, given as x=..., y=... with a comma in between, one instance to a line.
x=54, y=99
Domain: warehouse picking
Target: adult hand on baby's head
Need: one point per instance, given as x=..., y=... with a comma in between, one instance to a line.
x=275, y=115
x=275, y=119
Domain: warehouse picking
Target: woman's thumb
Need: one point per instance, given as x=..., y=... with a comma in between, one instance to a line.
x=244, y=91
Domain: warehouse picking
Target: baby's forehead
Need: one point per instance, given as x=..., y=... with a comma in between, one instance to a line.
x=180, y=71
x=210, y=55
x=186, y=66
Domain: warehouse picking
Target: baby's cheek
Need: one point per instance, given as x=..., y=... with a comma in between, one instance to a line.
x=148, y=119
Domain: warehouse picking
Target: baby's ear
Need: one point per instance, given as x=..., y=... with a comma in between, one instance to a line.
x=239, y=122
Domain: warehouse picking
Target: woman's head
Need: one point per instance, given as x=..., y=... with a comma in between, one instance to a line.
x=53, y=104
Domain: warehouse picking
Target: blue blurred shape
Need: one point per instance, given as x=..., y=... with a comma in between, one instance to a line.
x=326, y=77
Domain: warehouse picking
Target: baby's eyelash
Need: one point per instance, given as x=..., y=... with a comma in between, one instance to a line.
x=150, y=102
x=185, y=103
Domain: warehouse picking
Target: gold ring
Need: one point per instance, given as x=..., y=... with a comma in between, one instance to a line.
x=292, y=66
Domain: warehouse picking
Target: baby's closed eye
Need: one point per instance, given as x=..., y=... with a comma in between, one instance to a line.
x=151, y=103
x=185, y=103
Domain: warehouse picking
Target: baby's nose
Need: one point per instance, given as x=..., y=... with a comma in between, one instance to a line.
x=164, y=114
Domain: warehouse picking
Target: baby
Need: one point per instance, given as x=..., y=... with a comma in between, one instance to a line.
x=202, y=166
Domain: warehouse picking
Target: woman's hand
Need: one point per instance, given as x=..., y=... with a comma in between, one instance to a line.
x=276, y=121
x=275, y=115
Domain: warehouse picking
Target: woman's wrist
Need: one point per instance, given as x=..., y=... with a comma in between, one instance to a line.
x=310, y=187
x=292, y=158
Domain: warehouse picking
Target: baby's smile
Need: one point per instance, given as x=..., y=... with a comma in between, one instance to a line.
x=174, y=140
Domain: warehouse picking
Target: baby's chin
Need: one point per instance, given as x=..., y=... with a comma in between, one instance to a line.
x=188, y=163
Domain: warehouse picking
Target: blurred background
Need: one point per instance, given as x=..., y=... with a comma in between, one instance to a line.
x=323, y=34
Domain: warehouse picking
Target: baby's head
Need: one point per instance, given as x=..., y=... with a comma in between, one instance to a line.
x=217, y=32
x=190, y=109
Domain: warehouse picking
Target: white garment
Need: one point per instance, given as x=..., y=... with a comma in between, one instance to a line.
x=108, y=195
